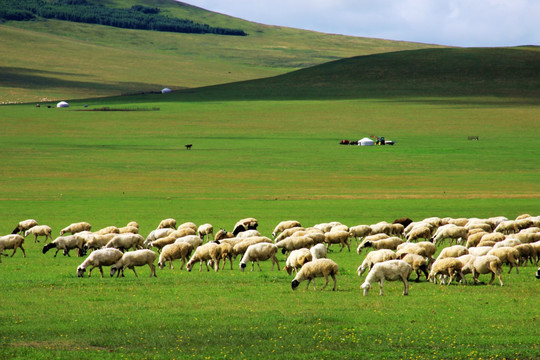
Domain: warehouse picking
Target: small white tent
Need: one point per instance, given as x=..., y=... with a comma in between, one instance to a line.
x=366, y=142
x=62, y=104
x=165, y=91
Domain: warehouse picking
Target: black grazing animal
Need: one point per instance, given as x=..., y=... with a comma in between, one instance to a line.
x=405, y=221
x=188, y=146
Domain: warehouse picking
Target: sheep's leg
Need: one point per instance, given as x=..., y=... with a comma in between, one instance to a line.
x=56, y=253
x=133, y=268
x=381, y=287
x=406, y=285
x=335, y=282
x=35, y=238
x=14, y=249
x=152, y=270
x=326, y=281
x=348, y=244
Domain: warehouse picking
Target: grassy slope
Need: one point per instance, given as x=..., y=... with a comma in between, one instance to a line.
x=103, y=61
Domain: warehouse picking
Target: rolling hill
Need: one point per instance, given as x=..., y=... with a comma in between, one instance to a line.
x=52, y=59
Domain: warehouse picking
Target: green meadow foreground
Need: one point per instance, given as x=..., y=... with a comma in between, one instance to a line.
x=272, y=160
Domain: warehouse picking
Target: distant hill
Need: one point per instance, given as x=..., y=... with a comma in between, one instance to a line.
x=54, y=59
x=455, y=72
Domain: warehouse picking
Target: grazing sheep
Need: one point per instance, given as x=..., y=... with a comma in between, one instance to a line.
x=318, y=251
x=507, y=227
x=128, y=229
x=99, y=258
x=297, y=259
x=288, y=224
x=108, y=230
x=450, y=233
x=527, y=237
x=390, y=270
x=288, y=233
x=295, y=243
x=204, y=253
x=510, y=242
x=479, y=250
x=360, y=231
x=538, y=273
x=188, y=225
x=418, y=264
x=245, y=224
x=337, y=237
x=479, y=224
x=206, y=230
x=527, y=252
x=390, y=243
x=135, y=258
x=405, y=221
x=124, y=242
x=316, y=268
x=381, y=228
x=181, y=250
x=453, y=251
x=375, y=257
x=446, y=266
x=24, y=225
x=241, y=247
x=76, y=228
x=157, y=234
x=420, y=232
x=248, y=233
x=169, y=223
x=39, y=230
x=486, y=264
x=259, y=252
x=422, y=248
x=11, y=241
x=227, y=252
x=66, y=243
x=474, y=239
x=98, y=241
x=133, y=224
x=160, y=243
x=223, y=234
x=194, y=240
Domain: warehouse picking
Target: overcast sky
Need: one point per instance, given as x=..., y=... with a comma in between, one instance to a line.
x=444, y=22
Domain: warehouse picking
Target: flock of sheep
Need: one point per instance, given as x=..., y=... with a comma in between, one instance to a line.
x=470, y=245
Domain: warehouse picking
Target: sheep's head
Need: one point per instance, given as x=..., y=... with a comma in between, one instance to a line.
x=294, y=284
x=368, y=244
x=288, y=269
x=80, y=271
x=242, y=266
x=161, y=265
x=113, y=270
x=366, y=286
x=538, y=273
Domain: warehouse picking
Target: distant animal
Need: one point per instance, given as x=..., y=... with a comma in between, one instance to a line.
x=188, y=146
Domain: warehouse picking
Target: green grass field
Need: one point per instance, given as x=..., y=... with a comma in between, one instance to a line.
x=266, y=149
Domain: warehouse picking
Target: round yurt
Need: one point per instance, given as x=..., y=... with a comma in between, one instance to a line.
x=165, y=91
x=366, y=142
x=62, y=104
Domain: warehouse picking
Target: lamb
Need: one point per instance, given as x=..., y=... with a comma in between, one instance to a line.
x=76, y=228
x=420, y=232
x=157, y=234
x=295, y=243
x=390, y=270
x=297, y=259
x=375, y=257
x=390, y=243
x=11, y=241
x=259, y=252
x=450, y=232
x=108, y=230
x=318, y=251
x=486, y=264
x=418, y=264
x=99, y=258
x=507, y=227
x=360, y=231
x=66, y=243
x=98, y=241
x=24, y=225
x=124, y=242
x=453, y=251
x=204, y=253
x=169, y=223
x=337, y=237
x=181, y=250
x=288, y=224
x=206, y=230
x=135, y=258
x=316, y=268
x=446, y=266
x=288, y=232
x=39, y=230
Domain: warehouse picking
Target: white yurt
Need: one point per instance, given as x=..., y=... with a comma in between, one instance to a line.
x=366, y=142
x=165, y=91
x=62, y=104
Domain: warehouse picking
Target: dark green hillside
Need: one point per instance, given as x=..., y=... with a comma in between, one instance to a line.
x=509, y=72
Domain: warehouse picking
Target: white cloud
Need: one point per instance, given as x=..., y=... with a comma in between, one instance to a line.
x=447, y=22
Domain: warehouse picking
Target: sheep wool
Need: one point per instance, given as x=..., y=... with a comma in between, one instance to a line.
x=316, y=268
x=135, y=258
x=99, y=258
x=11, y=241
x=259, y=252
x=390, y=270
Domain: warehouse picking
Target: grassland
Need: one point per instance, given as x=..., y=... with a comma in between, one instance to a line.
x=267, y=149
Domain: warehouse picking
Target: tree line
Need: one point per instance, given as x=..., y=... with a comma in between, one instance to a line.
x=137, y=17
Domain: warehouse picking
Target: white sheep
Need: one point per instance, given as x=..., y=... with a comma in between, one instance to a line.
x=453, y=251
x=451, y=233
x=39, y=230
x=511, y=242
x=108, y=230
x=66, y=243
x=205, y=230
x=507, y=227
x=226, y=251
x=203, y=254
x=295, y=243
x=194, y=240
x=128, y=229
x=259, y=252
x=167, y=223
x=474, y=238
x=11, y=241
x=248, y=233
x=296, y=259
x=316, y=268
x=338, y=237
x=318, y=251
x=382, y=227
x=360, y=231
x=133, y=224
x=223, y=234
x=76, y=228
x=390, y=243
x=157, y=234
x=188, y=225
x=127, y=241
x=241, y=247
x=390, y=270
x=527, y=252
x=181, y=250
x=418, y=264
x=288, y=224
x=508, y=255
x=288, y=232
x=420, y=232
x=135, y=258
x=446, y=266
x=486, y=264
x=245, y=224
x=527, y=237
x=24, y=225
x=99, y=258
x=479, y=250
x=422, y=248
x=98, y=241
x=375, y=257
